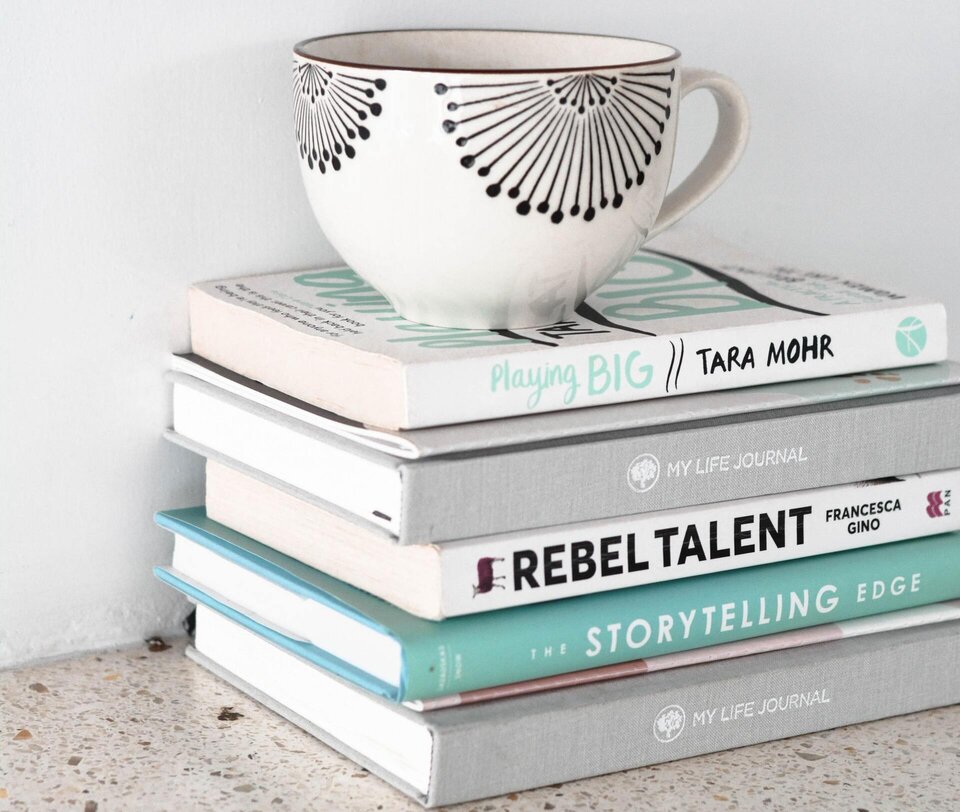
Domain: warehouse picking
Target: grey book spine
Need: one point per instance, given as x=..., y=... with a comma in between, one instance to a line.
x=468, y=495
x=515, y=744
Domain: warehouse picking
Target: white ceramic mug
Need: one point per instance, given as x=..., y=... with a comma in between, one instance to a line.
x=494, y=179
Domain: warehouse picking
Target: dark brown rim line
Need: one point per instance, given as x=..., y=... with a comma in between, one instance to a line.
x=298, y=50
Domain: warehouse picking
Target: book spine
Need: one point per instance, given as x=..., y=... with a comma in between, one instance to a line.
x=704, y=709
x=518, y=569
x=530, y=642
x=542, y=486
x=218, y=424
x=653, y=366
x=875, y=624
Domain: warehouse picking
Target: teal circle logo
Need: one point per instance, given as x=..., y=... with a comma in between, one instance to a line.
x=911, y=337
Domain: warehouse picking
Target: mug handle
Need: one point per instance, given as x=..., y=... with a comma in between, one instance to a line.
x=733, y=126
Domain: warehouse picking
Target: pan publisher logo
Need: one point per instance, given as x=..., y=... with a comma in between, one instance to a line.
x=643, y=473
x=669, y=723
x=938, y=504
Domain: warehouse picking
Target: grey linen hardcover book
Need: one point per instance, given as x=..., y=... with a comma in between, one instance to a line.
x=589, y=464
x=514, y=744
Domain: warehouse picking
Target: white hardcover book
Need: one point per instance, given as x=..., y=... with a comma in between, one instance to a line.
x=498, y=571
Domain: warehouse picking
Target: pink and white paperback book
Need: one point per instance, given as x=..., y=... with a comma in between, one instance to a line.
x=687, y=314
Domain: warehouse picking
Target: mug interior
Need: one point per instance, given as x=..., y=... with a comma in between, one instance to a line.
x=454, y=51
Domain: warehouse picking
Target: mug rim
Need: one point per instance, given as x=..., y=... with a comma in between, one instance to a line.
x=298, y=50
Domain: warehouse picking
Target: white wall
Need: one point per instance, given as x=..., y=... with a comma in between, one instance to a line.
x=147, y=145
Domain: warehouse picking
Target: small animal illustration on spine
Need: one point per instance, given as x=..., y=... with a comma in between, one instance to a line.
x=486, y=580
x=329, y=109
x=567, y=145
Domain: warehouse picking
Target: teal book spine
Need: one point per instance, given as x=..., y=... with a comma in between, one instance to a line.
x=541, y=640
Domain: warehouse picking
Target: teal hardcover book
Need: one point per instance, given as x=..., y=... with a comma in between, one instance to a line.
x=297, y=607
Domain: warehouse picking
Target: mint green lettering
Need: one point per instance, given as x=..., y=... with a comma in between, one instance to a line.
x=647, y=291
x=442, y=338
x=675, y=271
x=598, y=379
x=637, y=376
x=498, y=375
x=454, y=342
x=336, y=276
x=669, y=307
x=570, y=379
x=345, y=285
x=538, y=379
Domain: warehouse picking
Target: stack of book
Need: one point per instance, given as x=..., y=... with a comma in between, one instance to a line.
x=481, y=561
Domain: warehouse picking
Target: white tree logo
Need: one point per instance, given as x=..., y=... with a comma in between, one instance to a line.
x=669, y=723
x=643, y=473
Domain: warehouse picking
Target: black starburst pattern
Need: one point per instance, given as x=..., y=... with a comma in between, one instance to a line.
x=329, y=110
x=568, y=145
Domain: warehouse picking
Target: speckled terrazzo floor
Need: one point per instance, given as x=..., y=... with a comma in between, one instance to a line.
x=149, y=730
